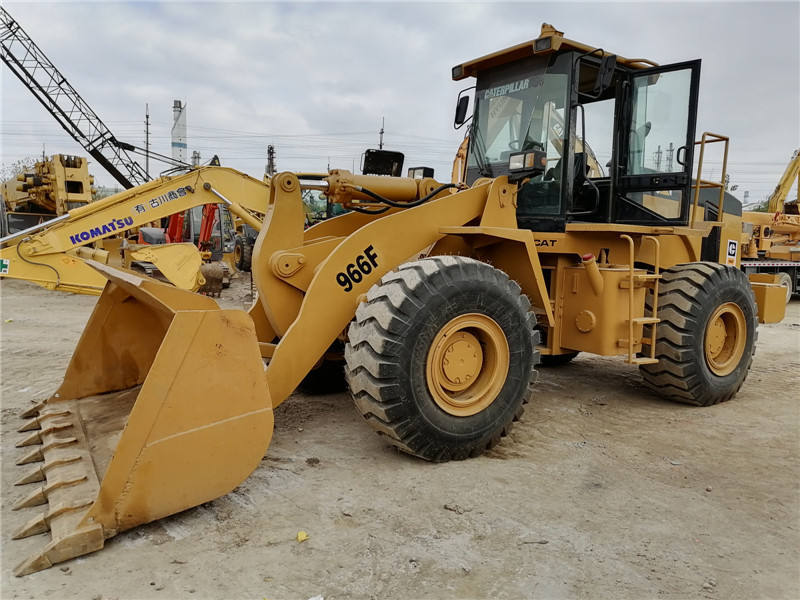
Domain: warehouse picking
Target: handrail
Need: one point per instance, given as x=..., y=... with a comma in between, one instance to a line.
x=710, y=138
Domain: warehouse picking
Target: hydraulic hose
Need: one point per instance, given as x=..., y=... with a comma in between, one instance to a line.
x=394, y=204
x=367, y=211
x=30, y=262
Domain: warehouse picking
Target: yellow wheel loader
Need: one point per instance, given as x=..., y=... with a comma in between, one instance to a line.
x=444, y=297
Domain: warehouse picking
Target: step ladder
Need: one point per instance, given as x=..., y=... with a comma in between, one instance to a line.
x=635, y=280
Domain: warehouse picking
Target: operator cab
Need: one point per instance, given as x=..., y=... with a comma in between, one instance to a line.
x=551, y=94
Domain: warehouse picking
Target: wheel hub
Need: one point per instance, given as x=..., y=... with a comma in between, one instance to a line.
x=462, y=361
x=467, y=364
x=726, y=334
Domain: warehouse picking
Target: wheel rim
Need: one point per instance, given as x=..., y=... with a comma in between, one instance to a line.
x=726, y=334
x=467, y=364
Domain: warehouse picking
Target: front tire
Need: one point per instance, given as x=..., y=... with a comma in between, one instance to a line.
x=441, y=357
x=706, y=338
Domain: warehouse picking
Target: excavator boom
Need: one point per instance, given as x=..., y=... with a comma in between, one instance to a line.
x=52, y=254
x=791, y=176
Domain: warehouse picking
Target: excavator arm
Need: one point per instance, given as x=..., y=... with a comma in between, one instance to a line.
x=790, y=176
x=51, y=254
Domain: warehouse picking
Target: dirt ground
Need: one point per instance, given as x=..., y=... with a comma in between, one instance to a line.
x=602, y=491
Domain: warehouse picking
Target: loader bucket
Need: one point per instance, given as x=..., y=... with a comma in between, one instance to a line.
x=164, y=406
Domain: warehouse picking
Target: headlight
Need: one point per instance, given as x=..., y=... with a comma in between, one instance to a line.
x=542, y=44
x=420, y=172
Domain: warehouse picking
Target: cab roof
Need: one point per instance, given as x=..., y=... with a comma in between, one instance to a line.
x=549, y=40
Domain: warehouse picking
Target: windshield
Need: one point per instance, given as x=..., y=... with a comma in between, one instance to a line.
x=517, y=107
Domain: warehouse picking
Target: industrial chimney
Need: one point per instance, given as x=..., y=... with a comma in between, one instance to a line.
x=179, y=131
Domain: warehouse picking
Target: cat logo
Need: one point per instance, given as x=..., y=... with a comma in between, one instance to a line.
x=733, y=250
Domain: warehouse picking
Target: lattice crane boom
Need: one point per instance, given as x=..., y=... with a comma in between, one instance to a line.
x=32, y=67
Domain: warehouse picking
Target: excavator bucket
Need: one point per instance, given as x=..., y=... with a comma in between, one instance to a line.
x=145, y=423
x=179, y=263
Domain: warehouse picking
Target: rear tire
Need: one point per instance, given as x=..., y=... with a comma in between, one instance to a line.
x=413, y=323
x=706, y=338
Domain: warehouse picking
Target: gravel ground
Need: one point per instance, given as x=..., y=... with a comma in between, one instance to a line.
x=601, y=491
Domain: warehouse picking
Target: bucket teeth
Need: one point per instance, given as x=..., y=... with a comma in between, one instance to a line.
x=33, y=411
x=36, y=436
x=41, y=523
x=40, y=495
x=33, y=456
x=37, y=562
x=39, y=472
x=36, y=525
x=32, y=477
x=37, y=498
x=79, y=542
x=29, y=425
x=37, y=455
x=38, y=422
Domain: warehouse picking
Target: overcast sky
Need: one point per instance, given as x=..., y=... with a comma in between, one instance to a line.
x=314, y=79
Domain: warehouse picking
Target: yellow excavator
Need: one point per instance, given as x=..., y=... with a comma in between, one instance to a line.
x=443, y=296
x=53, y=254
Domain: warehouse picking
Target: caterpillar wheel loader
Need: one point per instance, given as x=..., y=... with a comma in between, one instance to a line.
x=444, y=297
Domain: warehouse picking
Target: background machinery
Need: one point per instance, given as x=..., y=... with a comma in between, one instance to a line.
x=52, y=89
x=771, y=239
x=49, y=188
x=443, y=297
x=52, y=254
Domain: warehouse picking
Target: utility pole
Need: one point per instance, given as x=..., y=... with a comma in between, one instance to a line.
x=380, y=143
x=670, y=152
x=657, y=154
x=270, y=160
x=147, y=140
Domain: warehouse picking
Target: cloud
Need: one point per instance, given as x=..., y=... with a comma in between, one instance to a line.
x=314, y=79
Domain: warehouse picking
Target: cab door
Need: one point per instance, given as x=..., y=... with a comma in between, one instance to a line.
x=656, y=145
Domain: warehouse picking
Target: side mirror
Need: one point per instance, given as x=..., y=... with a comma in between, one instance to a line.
x=461, y=111
x=605, y=74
